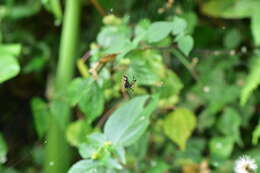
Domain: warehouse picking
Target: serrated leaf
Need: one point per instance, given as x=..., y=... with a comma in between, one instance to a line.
x=158, y=31
x=252, y=82
x=41, y=116
x=3, y=149
x=179, y=25
x=129, y=121
x=9, y=67
x=92, y=102
x=185, y=44
x=179, y=125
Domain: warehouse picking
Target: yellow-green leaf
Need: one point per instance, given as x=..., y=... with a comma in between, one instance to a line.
x=179, y=125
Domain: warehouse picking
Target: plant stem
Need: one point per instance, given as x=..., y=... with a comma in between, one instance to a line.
x=57, y=155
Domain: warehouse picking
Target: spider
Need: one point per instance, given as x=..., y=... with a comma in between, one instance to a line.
x=127, y=86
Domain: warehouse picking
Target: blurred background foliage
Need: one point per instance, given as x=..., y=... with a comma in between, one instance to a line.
x=196, y=65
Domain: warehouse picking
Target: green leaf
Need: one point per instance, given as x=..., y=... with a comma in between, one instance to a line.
x=146, y=67
x=193, y=152
x=158, y=31
x=9, y=67
x=24, y=10
x=86, y=150
x=3, y=149
x=229, y=123
x=256, y=134
x=41, y=116
x=159, y=167
x=129, y=121
x=10, y=49
x=255, y=25
x=232, y=9
x=185, y=43
x=113, y=35
x=191, y=20
x=179, y=125
x=253, y=80
x=85, y=166
x=92, y=101
x=221, y=147
x=77, y=131
x=78, y=88
x=179, y=25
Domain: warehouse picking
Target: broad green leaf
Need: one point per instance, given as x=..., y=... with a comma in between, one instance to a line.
x=3, y=149
x=9, y=67
x=229, y=123
x=146, y=67
x=221, y=147
x=185, y=43
x=158, y=31
x=129, y=121
x=77, y=89
x=256, y=134
x=110, y=35
x=191, y=20
x=41, y=116
x=231, y=9
x=92, y=101
x=179, y=25
x=85, y=166
x=86, y=150
x=10, y=49
x=60, y=111
x=253, y=80
x=255, y=25
x=77, y=131
x=141, y=30
x=179, y=125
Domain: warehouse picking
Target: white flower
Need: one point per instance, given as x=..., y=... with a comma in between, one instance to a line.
x=245, y=165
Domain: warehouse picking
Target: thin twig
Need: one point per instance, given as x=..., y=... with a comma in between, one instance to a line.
x=98, y=7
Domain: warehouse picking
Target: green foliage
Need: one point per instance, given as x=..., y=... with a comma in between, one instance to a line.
x=41, y=116
x=252, y=81
x=124, y=130
x=164, y=28
x=179, y=125
x=9, y=66
x=187, y=71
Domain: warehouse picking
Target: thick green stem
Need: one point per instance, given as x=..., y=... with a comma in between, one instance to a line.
x=57, y=158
